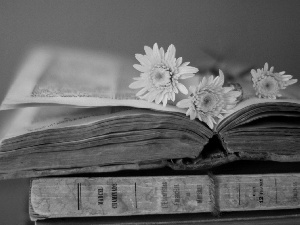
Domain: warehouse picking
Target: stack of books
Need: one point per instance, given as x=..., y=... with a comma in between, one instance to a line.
x=75, y=119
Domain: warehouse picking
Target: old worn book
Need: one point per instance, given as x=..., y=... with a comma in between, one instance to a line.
x=248, y=218
x=123, y=196
x=74, y=113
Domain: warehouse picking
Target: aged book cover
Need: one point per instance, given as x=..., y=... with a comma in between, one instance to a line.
x=266, y=218
x=74, y=113
x=124, y=196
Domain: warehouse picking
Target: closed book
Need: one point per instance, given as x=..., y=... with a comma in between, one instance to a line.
x=290, y=217
x=129, y=196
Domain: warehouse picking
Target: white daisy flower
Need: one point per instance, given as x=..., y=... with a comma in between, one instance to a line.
x=160, y=74
x=267, y=84
x=209, y=100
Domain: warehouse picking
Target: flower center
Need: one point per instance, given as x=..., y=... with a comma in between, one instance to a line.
x=206, y=101
x=160, y=77
x=268, y=86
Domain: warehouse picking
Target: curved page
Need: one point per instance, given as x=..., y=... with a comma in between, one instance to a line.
x=64, y=138
x=78, y=78
x=265, y=131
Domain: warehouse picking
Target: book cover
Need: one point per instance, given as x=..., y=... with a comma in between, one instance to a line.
x=128, y=196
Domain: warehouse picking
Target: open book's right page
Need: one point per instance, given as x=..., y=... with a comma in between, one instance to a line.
x=263, y=129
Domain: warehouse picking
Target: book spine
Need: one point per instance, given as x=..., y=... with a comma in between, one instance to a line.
x=120, y=196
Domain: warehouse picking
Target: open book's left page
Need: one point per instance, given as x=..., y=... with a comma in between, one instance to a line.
x=76, y=78
x=57, y=140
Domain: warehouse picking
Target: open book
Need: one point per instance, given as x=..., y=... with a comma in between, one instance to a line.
x=74, y=113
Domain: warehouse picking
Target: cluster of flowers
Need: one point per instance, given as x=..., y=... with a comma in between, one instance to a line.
x=160, y=79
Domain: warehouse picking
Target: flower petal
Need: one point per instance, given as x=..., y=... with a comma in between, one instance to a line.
x=208, y=121
x=162, y=53
x=178, y=61
x=187, y=69
x=142, y=91
x=231, y=99
x=159, y=97
x=210, y=80
x=220, y=116
x=286, y=77
x=152, y=95
x=227, y=89
x=266, y=67
x=138, y=84
x=143, y=60
x=233, y=94
x=165, y=99
x=253, y=72
x=193, y=114
x=184, y=103
x=192, y=89
x=185, y=63
x=182, y=89
x=202, y=83
x=148, y=51
x=141, y=68
x=292, y=81
x=188, y=111
x=170, y=54
x=145, y=97
x=173, y=96
x=156, y=54
x=221, y=78
x=186, y=75
x=199, y=117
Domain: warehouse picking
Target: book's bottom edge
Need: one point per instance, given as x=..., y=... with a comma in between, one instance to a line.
x=270, y=217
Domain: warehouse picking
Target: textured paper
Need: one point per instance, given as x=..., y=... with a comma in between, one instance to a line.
x=119, y=196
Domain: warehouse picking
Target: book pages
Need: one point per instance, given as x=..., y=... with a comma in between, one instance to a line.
x=52, y=139
x=289, y=95
x=78, y=78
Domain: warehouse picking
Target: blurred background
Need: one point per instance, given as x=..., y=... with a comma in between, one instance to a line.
x=248, y=31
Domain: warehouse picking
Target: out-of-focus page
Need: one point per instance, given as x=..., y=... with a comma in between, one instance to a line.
x=77, y=78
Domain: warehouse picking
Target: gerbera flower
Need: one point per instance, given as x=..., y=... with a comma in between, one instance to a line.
x=209, y=100
x=160, y=74
x=267, y=84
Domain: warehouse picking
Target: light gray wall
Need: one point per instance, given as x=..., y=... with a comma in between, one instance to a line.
x=252, y=31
